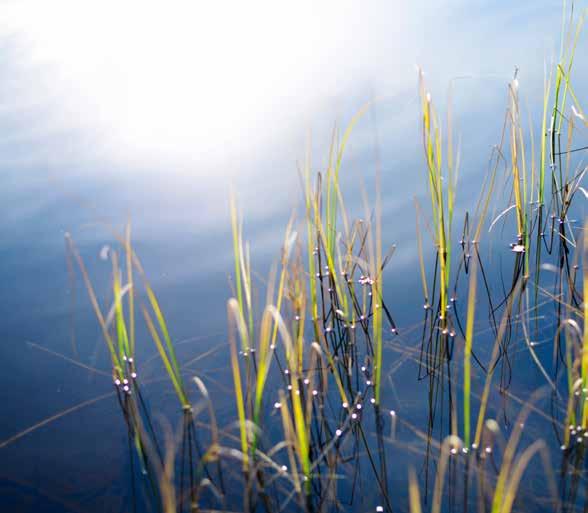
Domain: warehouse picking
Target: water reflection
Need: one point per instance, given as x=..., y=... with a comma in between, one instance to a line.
x=70, y=164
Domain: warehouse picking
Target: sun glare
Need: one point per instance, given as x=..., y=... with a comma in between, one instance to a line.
x=176, y=76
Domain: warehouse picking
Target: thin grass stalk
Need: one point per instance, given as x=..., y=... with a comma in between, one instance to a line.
x=245, y=261
x=237, y=255
x=121, y=329
x=264, y=355
x=166, y=360
x=450, y=444
x=169, y=347
x=493, y=361
x=546, y=93
x=334, y=182
x=471, y=305
x=130, y=284
x=289, y=239
x=290, y=437
x=413, y=492
x=517, y=473
x=118, y=370
x=311, y=222
x=567, y=72
x=235, y=319
x=585, y=327
x=511, y=470
x=300, y=425
x=432, y=143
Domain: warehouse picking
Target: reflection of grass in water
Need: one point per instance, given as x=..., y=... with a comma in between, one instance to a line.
x=312, y=430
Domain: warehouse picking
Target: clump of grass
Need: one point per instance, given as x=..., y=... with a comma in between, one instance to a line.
x=315, y=351
x=119, y=332
x=442, y=182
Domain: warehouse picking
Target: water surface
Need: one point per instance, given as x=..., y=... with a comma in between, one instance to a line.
x=72, y=163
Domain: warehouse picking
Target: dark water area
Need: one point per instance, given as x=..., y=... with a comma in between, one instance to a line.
x=64, y=444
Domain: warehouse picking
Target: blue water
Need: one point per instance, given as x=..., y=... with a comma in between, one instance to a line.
x=64, y=170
